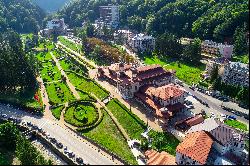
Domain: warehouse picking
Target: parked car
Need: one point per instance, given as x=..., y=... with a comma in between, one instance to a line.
x=79, y=160
x=4, y=115
x=59, y=145
x=231, y=117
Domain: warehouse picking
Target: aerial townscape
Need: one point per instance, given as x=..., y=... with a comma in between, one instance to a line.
x=124, y=82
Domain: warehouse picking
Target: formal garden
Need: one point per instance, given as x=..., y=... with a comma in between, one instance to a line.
x=81, y=114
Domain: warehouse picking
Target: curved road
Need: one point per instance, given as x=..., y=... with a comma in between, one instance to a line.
x=79, y=146
x=214, y=106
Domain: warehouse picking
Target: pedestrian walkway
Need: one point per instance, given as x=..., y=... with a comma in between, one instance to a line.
x=71, y=86
x=124, y=133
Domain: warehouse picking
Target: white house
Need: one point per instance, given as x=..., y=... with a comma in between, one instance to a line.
x=142, y=43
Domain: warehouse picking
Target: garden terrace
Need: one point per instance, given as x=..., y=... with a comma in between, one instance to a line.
x=70, y=44
x=59, y=93
x=87, y=85
x=130, y=122
x=108, y=135
x=81, y=115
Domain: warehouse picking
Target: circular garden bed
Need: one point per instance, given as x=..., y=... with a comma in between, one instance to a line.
x=81, y=115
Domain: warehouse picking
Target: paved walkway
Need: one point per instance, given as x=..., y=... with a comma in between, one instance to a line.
x=71, y=86
x=45, y=99
x=123, y=131
x=78, y=55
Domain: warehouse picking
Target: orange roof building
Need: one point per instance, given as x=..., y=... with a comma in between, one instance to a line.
x=156, y=158
x=194, y=149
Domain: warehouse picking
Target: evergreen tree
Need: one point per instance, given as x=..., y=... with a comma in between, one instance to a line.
x=240, y=41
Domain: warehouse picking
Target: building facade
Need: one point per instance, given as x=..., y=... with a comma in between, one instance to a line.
x=55, y=26
x=142, y=43
x=109, y=15
x=216, y=49
x=236, y=73
x=152, y=86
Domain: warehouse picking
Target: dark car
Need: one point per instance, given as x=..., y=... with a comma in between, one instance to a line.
x=53, y=140
x=79, y=160
x=59, y=145
x=231, y=117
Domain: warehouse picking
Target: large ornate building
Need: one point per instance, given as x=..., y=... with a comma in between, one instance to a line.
x=152, y=86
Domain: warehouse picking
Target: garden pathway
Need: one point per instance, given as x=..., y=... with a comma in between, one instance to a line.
x=45, y=99
x=64, y=49
x=123, y=131
x=71, y=86
x=78, y=55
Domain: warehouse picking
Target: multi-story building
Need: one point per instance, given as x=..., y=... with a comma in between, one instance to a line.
x=216, y=49
x=142, y=43
x=109, y=15
x=236, y=73
x=55, y=26
x=233, y=73
x=152, y=86
x=122, y=36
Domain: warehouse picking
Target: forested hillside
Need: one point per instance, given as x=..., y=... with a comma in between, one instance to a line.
x=20, y=15
x=50, y=5
x=207, y=19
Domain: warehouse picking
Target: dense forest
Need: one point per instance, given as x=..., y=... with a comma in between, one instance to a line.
x=20, y=15
x=50, y=5
x=206, y=19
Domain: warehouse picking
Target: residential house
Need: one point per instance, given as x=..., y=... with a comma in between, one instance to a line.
x=142, y=43
x=227, y=140
x=195, y=149
x=122, y=36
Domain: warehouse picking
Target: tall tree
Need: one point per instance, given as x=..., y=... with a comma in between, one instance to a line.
x=192, y=51
x=240, y=41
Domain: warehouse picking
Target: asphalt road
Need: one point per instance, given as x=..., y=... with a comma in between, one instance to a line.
x=213, y=105
x=75, y=144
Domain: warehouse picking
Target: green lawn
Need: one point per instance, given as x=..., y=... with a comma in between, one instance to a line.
x=164, y=142
x=130, y=122
x=59, y=93
x=242, y=59
x=44, y=56
x=81, y=115
x=107, y=135
x=236, y=124
x=69, y=44
x=56, y=112
x=88, y=86
x=185, y=72
x=50, y=73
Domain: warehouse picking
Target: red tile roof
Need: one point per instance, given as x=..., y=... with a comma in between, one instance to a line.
x=156, y=158
x=194, y=120
x=196, y=145
x=165, y=92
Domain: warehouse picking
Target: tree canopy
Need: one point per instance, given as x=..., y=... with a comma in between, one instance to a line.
x=21, y=16
x=206, y=19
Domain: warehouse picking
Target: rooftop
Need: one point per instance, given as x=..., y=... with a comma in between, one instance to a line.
x=156, y=158
x=207, y=125
x=165, y=92
x=196, y=145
